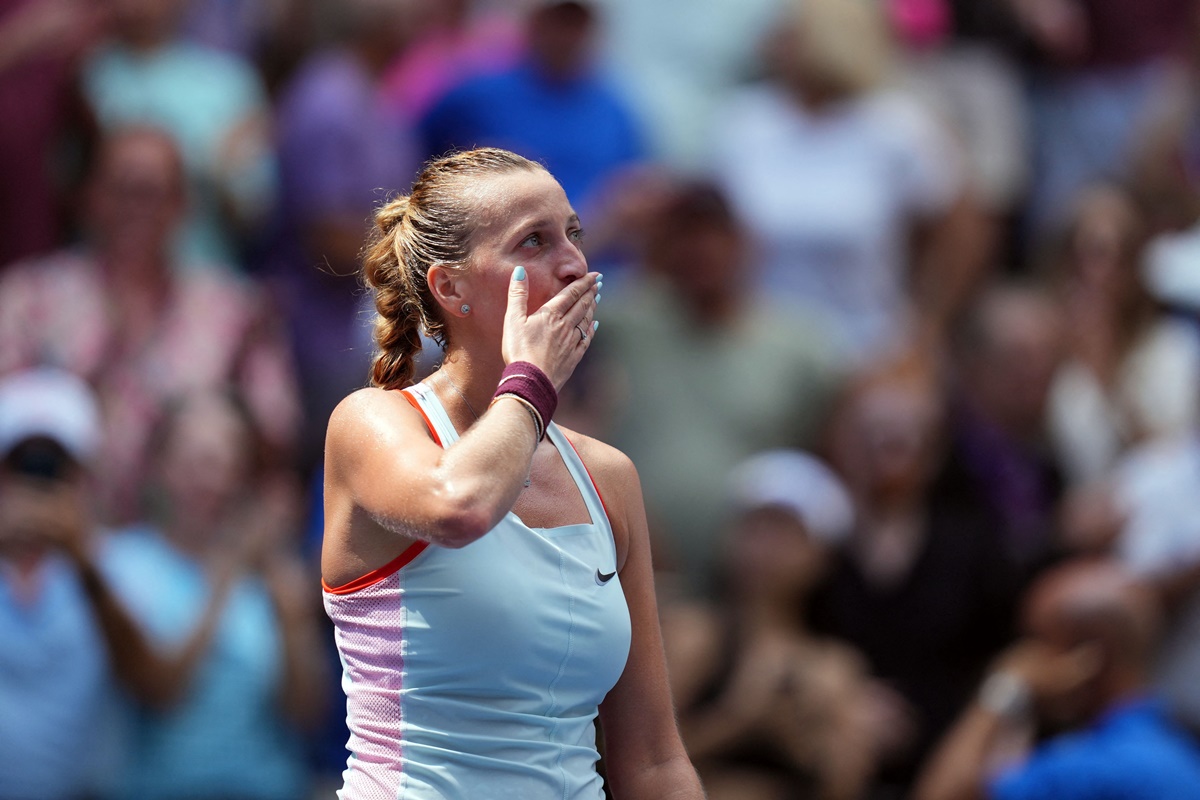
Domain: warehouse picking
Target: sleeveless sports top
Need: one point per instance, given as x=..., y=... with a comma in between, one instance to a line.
x=477, y=672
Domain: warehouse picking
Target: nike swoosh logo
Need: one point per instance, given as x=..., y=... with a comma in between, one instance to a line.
x=604, y=577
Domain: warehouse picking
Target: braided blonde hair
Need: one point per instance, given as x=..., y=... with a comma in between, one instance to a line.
x=431, y=225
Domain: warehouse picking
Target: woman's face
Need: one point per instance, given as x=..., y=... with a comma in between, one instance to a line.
x=772, y=553
x=1103, y=245
x=205, y=462
x=525, y=220
x=885, y=439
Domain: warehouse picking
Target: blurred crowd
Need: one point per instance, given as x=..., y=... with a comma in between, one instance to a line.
x=902, y=334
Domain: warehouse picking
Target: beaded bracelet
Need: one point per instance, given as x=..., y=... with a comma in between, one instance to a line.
x=525, y=383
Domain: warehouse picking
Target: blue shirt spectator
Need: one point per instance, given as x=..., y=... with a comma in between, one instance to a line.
x=553, y=107
x=226, y=738
x=57, y=692
x=1134, y=752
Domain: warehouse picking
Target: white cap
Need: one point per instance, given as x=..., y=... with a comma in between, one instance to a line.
x=1172, y=269
x=52, y=403
x=797, y=482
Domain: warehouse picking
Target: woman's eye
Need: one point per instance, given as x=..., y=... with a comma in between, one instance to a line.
x=577, y=235
x=532, y=240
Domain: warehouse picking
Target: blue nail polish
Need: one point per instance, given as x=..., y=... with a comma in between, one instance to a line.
x=595, y=325
x=519, y=274
x=597, y=298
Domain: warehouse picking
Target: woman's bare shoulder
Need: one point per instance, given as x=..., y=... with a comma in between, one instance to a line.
x=370, y=416
x=606, y=463
x=365, y=407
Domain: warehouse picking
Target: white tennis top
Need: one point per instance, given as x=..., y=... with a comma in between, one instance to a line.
x=477, y=672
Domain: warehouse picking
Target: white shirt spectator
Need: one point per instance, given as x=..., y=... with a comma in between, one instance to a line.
x=830, y=198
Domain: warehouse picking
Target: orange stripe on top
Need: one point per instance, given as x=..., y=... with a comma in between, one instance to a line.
x=412, y=401
x=376, y=575
x=412, y=551
x=603, y=504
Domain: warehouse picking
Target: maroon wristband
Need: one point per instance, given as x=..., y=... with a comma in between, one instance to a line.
x=528, y=383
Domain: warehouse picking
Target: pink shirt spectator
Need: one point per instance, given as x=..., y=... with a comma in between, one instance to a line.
x=211, y=330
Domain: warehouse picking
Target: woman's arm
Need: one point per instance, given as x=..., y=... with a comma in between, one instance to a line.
x=383, y=467
x=381, y=457
x=644, y=755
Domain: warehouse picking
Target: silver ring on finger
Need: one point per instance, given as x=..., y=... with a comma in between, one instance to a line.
x=582, y=335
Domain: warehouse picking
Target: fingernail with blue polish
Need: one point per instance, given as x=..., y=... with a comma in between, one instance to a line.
x=597, y=298
x=595, y=325
x=519, y=274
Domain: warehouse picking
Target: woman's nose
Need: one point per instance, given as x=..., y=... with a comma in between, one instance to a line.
x=573, y=264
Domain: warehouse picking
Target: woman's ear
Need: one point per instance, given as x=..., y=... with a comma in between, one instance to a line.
x=446, y=285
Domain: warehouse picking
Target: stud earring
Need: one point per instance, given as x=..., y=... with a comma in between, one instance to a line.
x=466, y=309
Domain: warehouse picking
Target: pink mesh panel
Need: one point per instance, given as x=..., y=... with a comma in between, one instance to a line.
x=370, y=636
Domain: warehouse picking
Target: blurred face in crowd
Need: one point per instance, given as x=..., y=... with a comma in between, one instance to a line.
x=1012, y=366
x=135, y=197
x=41, y=495
x=1103, y=246
x=695, y=242
x=206, y=460
x=144, y=23
x=560, y=38
x=772, y=553
x=829, y=49
x=388, y=26
x=1098, y=632
x=885, y=439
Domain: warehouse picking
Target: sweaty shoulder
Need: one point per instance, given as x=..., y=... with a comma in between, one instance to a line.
x=368, y=419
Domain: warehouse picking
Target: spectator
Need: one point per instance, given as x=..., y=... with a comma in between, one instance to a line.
x=1082, y=669
x=975, y=88
x=837, y=177
x=341, y=151
x=1167, y=183
x=118, y=313
x=59, y=620
x=700, y=372
x=61, y=734
x=678, y=70
x=1165, y=163
x=553, y=107
x=1151, y=497
x=922, y=586
x=212, y=103
x=1001, y=459
x=214, y=577
x=458, y=40
x=767, y=709
x=1096, y=67
x=45, y=120
x=1132, y=373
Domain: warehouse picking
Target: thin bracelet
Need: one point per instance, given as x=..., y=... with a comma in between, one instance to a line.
x=539, y=427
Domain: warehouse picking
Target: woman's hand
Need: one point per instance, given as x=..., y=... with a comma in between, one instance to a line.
x=555, y=337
